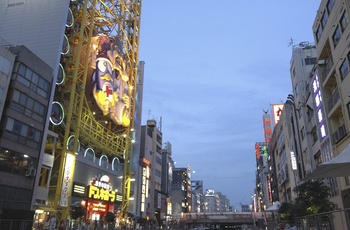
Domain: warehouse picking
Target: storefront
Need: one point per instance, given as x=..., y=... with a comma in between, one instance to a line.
x=97, y=198
x=44, y=217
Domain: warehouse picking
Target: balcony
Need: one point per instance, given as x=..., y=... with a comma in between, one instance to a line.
x=333, y=100
x=339, y=134
x=326, y=68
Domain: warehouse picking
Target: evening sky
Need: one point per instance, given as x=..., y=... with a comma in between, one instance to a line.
x=211, y=68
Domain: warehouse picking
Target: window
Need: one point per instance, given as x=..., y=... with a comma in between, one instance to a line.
x=344, y=20
x=32, y=80
x=319, y=33
x=17, y=131
x=4, y=65
x=15, y=162
x=314, y=135
x=28, y=106
x=344, y=69
x=310, y=61
x=336, y=36
x=302, y=133
x=324, y=19
x=330, y=5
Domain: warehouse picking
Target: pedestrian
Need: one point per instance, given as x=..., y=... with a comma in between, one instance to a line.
x=62, y=227
x=96, y=225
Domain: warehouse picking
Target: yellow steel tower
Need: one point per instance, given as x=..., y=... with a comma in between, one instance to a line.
x=99, y=65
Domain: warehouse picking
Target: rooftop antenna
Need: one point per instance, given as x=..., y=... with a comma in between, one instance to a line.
x=291, y=42
x=160, y=123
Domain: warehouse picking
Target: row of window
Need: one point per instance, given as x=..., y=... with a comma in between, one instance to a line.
x=344, y=67
x=31, y=80
x=5, y=65
x=22, y=133
x=28, y=106
x=324, y=19
x=344, y=20
x=14, y=162
x=14, y=198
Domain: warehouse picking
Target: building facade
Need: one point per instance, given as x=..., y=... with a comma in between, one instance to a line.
x=73, y=108
x=23, y=125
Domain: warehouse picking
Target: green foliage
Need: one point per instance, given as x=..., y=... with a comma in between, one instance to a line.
x=287, y=212
x=109, y=217
x=312, y=198
x=77, y=211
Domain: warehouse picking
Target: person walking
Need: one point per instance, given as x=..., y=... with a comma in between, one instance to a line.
x=96, y=225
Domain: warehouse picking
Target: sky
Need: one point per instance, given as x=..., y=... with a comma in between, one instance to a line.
x=211, y=68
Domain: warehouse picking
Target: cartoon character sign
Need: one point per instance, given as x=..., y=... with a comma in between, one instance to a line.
x=111, y=91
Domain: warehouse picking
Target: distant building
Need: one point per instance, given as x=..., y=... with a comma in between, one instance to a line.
x=197, y=196
x=181, y=191
x=151, y=200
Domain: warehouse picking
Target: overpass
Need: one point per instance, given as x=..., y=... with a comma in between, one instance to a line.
x=219, y=220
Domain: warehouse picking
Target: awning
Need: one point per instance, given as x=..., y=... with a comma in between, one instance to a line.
x=339, y=166
x=276, y=205
x=46, y=208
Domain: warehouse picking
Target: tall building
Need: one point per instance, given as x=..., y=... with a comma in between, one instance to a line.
x=7, y=59
x=167, y=178
x=150, y=199
x=181, y=195
x=331, y=31
x=197, y=196
x=89, y=89
x=23, y=124
x=211, y=203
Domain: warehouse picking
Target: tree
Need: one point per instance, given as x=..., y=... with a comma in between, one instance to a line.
x=287, y=212
x=312, y=198
x=109, y=218
x=77, y=211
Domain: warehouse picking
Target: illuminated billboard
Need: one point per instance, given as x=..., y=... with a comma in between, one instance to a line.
x=277, y=110
x=110, y=79
x=267, y=128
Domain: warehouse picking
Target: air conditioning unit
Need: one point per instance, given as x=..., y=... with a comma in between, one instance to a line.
x=30, y=172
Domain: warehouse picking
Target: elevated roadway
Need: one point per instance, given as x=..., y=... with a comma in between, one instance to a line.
x=224, y=220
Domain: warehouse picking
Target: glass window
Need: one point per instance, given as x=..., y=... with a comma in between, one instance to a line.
x=35, y=78
x=16, y=95
x=29, y=74
x=4, y=65
x=22, y=70
x=310, y=61
x=17, y=127
x=344, y=69
x=324, y=19
x=319, y=33
x=330, y=5
x=23, y=99
x=30, y=103
x=344, y=20
x=336, y=36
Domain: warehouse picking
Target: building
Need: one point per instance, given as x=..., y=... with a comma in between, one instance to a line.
x=197, y=196
x=262, y=198
x=151, y=201
x=211, y=203
x=23, y=124
x=167, y=178
x=331, y=30
x=181, y=194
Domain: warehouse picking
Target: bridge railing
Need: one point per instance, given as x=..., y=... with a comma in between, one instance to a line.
x=215, y=216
